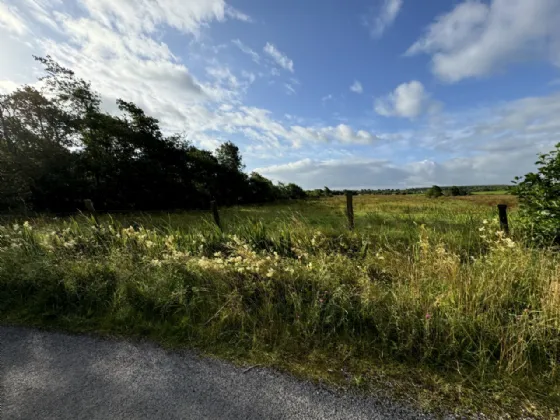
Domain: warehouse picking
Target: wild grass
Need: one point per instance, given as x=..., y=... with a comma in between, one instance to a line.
x=428, y=291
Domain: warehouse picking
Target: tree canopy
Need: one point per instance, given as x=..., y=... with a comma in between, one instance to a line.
x=58, y=147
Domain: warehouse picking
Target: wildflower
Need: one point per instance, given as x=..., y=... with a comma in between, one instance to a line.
x=482, y=229
x=310, y=266
x=270, y=272
x=485, y=222
x=149, y=244
x=428, y=315
x=155, y=263
x=289, y=270
x=26, y=225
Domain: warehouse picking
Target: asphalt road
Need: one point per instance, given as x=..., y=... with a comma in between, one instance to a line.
x=57, y=376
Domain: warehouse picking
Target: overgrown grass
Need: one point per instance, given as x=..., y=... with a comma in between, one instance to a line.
x=425, y=295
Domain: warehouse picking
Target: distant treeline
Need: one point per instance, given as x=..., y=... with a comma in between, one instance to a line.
x=449, y=190
x=57, y=148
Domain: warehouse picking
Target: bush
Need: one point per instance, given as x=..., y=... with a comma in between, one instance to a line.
x=539, y=197
x=434, y=192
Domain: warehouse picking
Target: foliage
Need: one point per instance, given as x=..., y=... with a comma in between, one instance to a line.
x=57, y=148
x=455, y=296
x=434, y=192
x=539, y=197
x=458, y=191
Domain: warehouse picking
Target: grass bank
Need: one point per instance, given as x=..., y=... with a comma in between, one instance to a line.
x=426, y=299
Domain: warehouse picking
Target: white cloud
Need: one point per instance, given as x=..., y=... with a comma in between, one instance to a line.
x=280, y=58
x=487, y=145
x=409, y=100
x=7, y=86
x=357, y=87
x=146, y=16
x=289, y=89
x=383, y=17
x=352, y=172
x=341, y=133
x=247, y=50
x=476, y=39
x=238, y=15
x=11, y=19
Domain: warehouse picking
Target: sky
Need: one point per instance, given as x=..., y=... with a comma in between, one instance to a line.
x=344, y=94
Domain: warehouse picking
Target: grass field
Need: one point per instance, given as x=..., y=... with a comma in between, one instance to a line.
x=425, y=300
x=496, y=192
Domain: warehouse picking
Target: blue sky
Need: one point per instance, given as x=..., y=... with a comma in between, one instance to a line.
x=367, y=93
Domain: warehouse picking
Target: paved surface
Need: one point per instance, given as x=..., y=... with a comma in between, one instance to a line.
x=57, y=376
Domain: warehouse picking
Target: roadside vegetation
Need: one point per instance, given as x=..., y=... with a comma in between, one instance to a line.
x=429, y=297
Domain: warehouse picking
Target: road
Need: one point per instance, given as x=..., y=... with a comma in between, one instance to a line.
x=48, y=375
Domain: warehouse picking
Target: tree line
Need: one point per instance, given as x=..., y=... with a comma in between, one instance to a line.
x=434, y=191
x=58, y=147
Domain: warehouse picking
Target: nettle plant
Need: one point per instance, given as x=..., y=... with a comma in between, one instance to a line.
x=539, y=197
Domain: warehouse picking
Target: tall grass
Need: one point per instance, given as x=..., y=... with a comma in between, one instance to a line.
x=415, y=283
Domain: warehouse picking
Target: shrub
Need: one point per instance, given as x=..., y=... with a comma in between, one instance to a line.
x=434, y=192
x=539, y=197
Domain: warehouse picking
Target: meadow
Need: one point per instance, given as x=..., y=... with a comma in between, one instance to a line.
x=426, y=299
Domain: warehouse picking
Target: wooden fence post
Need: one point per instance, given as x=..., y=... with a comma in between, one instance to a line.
x=350, y=210
x=502, y=212
x=88, y=204
x=216, y=214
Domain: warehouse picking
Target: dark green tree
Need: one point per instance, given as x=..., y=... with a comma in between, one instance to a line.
x=58, y=147
x=228, y=155
x=434, y=192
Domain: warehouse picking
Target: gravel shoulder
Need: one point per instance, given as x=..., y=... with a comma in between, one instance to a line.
x=47, y=375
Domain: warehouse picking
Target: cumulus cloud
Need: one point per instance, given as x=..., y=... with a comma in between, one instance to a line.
x=409, y=100
x=382, y=17
x=279, y=58
x=491, y=168
x=490, y=145
x=118, y=49
x=356, y=87
x=476, y=39
x=341, y=133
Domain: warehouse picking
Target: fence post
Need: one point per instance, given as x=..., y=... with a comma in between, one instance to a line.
x=350, y=210
x=502, y=212
x=88, y=204
x=215, y=213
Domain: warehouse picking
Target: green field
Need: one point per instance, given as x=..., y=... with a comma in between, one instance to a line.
x=497, y=192
x=426, y=299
